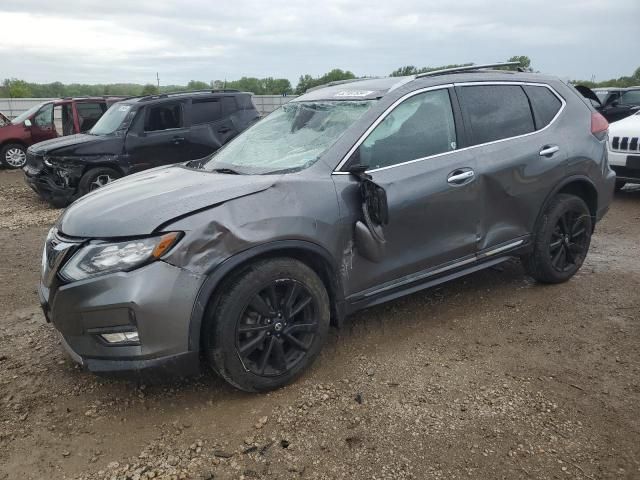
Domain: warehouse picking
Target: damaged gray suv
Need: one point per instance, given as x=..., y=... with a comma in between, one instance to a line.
x=348, y=196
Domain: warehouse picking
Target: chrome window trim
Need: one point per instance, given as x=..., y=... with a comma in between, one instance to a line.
x=391, y=107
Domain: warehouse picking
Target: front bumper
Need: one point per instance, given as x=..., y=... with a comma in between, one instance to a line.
x=156, y=300
x=50, y=191
x=625, y=169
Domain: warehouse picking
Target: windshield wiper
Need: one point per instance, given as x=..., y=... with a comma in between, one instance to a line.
x=229, y=171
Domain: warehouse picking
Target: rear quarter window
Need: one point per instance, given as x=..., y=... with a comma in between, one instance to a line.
x=206, y=111
x=545, y=105
x=496, y=112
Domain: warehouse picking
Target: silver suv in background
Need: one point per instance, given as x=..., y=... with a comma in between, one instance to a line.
x=350, y=195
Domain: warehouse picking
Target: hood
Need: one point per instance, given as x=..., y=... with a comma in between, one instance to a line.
x=627, y=127
x=140, y=203
x=80, y=144
x=588, y=93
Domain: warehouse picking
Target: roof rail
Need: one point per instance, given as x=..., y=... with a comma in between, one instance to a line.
x=467, y=68
x=187, y=92
x=338, y=82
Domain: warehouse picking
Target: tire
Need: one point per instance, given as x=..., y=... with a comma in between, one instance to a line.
x=253, y=351
x=96, y=178
x=620, y=185
x=13, y=155
x=562, y=240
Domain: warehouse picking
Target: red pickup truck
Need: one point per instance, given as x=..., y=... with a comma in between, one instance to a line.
x=50, y=119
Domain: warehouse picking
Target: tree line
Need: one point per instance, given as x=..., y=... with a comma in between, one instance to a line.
x=16, y=88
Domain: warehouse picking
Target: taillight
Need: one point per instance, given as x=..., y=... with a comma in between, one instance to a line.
x=599, y=125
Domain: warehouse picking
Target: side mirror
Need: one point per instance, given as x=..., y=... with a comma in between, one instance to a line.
x=369, y=234
x=27, y=123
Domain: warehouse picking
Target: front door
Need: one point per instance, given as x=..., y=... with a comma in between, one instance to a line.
x=431, y=192
x=42, y=126
x=159, y=137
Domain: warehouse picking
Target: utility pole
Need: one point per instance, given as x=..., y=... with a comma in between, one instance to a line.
x=158, y=80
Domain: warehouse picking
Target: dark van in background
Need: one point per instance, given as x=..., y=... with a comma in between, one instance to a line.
x=48, y=120
x=134, y=135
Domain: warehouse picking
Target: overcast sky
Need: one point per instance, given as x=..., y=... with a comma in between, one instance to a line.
x=107, y=41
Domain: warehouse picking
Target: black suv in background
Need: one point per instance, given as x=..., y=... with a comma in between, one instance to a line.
x=136, y=134
x=613, y=103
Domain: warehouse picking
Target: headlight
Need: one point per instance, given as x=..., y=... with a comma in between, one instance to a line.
x=101, y=258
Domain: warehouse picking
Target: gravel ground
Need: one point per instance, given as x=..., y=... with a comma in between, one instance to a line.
x=490, y=376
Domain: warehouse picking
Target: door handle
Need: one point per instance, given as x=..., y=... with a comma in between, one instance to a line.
x=458, y=177
x=549, y=150
x=178, y=140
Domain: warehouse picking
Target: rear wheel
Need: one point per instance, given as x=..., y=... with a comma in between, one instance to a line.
x=97, y=178
x=562, y=240
x=269, y=325
x=13, y=155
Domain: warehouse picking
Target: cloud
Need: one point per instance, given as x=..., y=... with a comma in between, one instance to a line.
x=121, y=41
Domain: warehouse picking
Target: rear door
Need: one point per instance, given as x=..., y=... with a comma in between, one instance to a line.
x=158, y=137
x=212, y=124
x=519, y=155
x=88, y=113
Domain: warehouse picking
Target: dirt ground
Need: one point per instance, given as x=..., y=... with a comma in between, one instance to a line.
x=487, y=377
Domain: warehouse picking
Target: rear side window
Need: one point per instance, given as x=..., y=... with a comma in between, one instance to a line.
x=228, y=106
x=163, y=117
x=89, y=114
x=496, y=112
x=631, y=97
x=545, y=105
x=206, y=111
x=419, y=127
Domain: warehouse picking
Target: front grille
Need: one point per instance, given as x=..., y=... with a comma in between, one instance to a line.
x=625, y=144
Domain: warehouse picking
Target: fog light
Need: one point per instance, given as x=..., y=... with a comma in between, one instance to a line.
x=120, y=337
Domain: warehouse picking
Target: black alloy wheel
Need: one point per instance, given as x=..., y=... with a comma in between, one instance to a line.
x=569, y=241
x=277, y=328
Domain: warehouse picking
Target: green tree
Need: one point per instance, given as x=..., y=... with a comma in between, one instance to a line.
x=197, y=85
x=525, y=63
x=15, y=88
x=149, y=89
x=307, y=81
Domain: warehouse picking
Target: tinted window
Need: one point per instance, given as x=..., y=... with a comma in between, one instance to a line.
x=163, y=117
x=420, y=126
x=496, y=111
x=89, y=114
x=44, y=117
x=228, y=106
x=632, y=97
x=206, y=111
x=545, y=105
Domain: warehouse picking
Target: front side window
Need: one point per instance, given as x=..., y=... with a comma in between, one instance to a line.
x=496, y=112
x=419, y=127
x=631, y=97
x=290, y=139
x=163, y=117
x=44, y=117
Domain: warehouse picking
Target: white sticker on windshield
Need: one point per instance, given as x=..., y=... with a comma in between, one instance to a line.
x=353, y=93
x=124, y=108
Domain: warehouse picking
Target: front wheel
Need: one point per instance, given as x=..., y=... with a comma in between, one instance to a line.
x=97, y=178
x=562, y=240
x=13, y=155
x=269, y=324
